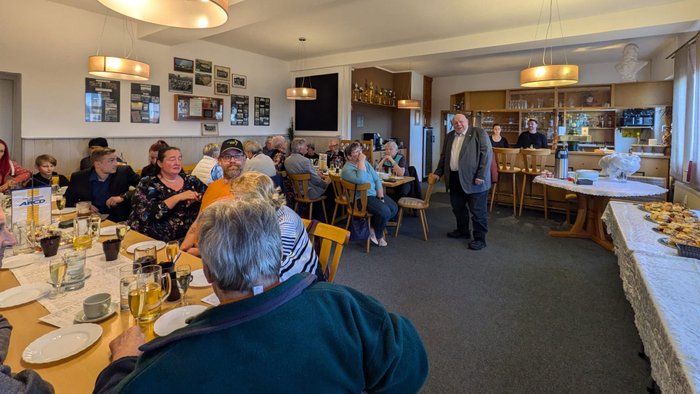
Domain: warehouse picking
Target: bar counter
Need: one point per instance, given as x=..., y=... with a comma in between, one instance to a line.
x=652, y=165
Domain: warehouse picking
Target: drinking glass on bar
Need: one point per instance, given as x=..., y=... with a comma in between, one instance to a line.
x=183, y=277
x=145, y=255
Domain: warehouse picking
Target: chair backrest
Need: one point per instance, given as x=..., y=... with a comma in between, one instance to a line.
x=356, y=195
x=429, y=191
x=415, y=185
x=652, y=180
x=534, y=160
x=300, y=183
x=338, y=189
x=506, y=159
x=332, y=239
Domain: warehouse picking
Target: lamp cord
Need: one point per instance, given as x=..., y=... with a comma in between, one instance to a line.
x=127, y=30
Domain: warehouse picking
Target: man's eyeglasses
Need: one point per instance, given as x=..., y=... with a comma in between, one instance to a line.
x=231, y=157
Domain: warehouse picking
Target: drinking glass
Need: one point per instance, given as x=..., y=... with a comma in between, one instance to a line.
x=172, y=249
x=153, y=290
x=137, y=300
x=82, y=233
x=145, y=255
x=54, y=184
x=127, y=282
x=183, y=277
x=121, y=230
x=57, y=271
x=95, y=224
x=83, y=208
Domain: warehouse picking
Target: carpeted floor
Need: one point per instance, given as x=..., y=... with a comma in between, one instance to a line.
x=530, y=313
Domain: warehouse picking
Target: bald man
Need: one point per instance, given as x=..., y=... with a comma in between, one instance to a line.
x=466, y=162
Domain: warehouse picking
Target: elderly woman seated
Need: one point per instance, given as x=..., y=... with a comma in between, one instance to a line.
x=394, y=163
x=165, y=205
x=358, y=171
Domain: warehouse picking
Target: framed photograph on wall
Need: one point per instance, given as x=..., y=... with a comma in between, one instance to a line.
x=222, y=73
x=221, y=88
x=183, y=65
x=202, y=79
x=180, y=83
x=210, y=129
x=202, y=66
x=239, y=81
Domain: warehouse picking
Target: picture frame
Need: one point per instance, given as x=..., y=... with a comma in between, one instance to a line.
x=221, y=88
x=222, y=73
x=180, y=83
x=210, y=128
x=183, y=65
x=202, y=79
x=202, y=66
x=239, y=81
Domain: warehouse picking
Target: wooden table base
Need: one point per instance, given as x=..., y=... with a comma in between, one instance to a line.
x=588, y=221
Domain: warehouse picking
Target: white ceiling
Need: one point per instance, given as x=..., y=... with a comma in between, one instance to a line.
x=437, y=37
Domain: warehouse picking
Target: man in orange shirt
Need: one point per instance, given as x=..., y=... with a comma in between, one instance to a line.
x=231, y=159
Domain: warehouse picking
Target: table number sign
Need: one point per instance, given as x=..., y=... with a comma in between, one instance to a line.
x=31, y=205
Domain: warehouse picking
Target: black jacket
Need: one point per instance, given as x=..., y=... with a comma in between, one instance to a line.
x=80, y=189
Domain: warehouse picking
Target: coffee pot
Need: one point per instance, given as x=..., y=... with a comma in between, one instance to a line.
x=561, y=162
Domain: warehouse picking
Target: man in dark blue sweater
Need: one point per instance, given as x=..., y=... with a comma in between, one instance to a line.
x=267, y=337
x=531, y=138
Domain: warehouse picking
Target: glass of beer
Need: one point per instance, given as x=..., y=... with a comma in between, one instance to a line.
x=57, y=271
x=172, y=249
x=153, y=290
x=54, y=184
x=83, y=208
x=82, y=234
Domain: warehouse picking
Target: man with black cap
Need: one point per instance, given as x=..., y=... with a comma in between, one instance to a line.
x=231, y=159
x=532, y=138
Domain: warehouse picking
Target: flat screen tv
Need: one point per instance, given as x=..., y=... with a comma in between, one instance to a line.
x=320, y=114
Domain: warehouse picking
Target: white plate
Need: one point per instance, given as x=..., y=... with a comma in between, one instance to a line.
x=22, y=294
x=80, y=317
x=21, y=260
x=63, y=211
x=174, y=319
x=61, y=343
x=158, y=244
x=198, y=279
x=109, y=230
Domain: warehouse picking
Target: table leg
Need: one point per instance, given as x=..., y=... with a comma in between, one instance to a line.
x=578, y=229
x=589, y=223
x=596, y=226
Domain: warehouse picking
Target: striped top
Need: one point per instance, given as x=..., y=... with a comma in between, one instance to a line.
x=298, y=253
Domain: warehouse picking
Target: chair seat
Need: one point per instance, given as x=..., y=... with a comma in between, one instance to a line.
x=514, y=170
x=530, y=172
x=413, y=203
x=308, y=200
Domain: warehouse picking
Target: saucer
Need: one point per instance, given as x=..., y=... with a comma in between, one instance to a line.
x=80, y=317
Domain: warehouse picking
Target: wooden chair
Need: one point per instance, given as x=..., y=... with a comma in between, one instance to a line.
x=357, y=204
x=419, y=205
x=340, y=199
x=300, y=183
x=506, y=158
x=533, y=165
x=331, y=241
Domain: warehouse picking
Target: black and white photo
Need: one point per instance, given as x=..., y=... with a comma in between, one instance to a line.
x=202, y=66
x=180, y=83
x=221, y=88
x=222, y=73
x=239, y=81
x=202, y=79
x=210, y=128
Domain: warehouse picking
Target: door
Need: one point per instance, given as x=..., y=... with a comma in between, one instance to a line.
x=428, y=140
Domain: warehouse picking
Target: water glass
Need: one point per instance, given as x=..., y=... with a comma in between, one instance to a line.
x=57, y=272
x=95, y=224
x=183, y=277
x=75, y=269
x=127, y=282
x=145, y=255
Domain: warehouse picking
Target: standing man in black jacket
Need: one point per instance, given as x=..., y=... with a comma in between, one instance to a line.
x=105, y=184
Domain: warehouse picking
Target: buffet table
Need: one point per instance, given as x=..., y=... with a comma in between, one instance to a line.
x=77, y=373
x=592, y=200
x=664, y=291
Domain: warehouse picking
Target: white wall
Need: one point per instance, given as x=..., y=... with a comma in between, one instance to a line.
x=49, y=44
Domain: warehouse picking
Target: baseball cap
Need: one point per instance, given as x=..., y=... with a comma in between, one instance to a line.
x=99, y=141
x=231, y=144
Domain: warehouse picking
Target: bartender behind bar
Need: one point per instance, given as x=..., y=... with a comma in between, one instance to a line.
x=532, y=138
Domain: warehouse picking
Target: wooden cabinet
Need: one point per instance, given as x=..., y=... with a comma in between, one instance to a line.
x=198, y=108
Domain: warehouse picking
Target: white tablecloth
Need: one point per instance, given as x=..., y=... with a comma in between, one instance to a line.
x=605, y=187
x=664, y=291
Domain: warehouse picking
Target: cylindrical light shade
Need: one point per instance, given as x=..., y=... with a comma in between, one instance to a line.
x=301, y=93
x=549, y=75
x=118, y=68
x=192, y=14
x=408, y=104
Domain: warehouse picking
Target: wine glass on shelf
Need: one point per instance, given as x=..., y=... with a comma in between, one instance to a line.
x=172, y=249
x=183, y=277
x=57, y=271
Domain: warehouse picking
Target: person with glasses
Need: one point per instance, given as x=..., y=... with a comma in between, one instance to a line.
x=335, y=156
x=166, y=205
x=232, y=161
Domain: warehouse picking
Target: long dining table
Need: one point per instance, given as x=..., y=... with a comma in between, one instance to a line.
x=77, y=374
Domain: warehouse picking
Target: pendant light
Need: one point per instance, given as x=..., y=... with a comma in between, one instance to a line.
x=115, y=67
x=192, y=14
x=301, y=92
x=549, y=75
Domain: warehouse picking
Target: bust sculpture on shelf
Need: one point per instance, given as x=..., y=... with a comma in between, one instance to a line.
x=630, y=64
